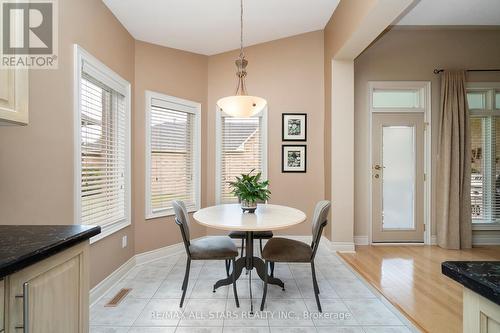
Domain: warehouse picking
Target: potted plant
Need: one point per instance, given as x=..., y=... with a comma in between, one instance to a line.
x=250, y=190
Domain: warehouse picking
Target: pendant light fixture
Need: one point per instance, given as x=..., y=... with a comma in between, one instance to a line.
x=241, y=104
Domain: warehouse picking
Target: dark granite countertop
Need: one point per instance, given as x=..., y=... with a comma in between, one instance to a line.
x=24, y=245
x=483, y=277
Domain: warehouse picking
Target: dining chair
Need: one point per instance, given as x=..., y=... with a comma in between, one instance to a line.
x=208, y=248
x=289, y=250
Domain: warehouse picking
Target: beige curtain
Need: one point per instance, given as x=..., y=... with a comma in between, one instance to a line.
x=453, y=214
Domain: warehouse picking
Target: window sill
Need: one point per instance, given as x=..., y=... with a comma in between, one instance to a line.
x=109, y=230
x=165, y=213
x=486, y=226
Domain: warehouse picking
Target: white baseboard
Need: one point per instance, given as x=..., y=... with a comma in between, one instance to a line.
x=433, y=240
x=360, y=240
x=110, y=281
x=398, y=244
x=305, y=239
x=485, y=240
x=363, y=240
x=145, y=257
x=342, y=247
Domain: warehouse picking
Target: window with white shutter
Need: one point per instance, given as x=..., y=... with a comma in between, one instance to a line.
x=173, y=154
x=102, y=133
x=485, y=153
x=241, y=147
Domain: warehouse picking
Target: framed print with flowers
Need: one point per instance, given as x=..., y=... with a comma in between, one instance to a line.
x=294, y=126
x=294, y=158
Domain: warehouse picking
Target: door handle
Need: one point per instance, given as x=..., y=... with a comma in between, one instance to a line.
x=378, y=167
x=26, y=308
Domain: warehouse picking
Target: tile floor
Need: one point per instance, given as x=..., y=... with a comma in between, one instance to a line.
x=349, y=306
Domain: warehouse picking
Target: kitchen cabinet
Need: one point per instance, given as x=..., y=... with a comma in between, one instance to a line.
x=44, y=269
x=51, y=295
x=2, y=300
x=14, y=96
x=481, y=293
x=480, y=314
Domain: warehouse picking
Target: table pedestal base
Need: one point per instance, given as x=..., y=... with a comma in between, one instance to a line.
x=249, y=262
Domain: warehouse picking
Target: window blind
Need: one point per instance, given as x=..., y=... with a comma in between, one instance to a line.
x=172, y=157
x=103, y=153
x=241, y=151
x=485, y=157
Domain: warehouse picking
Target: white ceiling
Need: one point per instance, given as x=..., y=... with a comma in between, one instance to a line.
x=213, y=26
x=453, y=12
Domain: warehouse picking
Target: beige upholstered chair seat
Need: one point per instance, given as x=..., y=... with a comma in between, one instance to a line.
x=212, y=248
x=286, y=250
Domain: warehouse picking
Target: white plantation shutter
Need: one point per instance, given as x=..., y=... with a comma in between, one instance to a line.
x=485, y=156
x=103, y=153
x=242, y=149
x=172, y=155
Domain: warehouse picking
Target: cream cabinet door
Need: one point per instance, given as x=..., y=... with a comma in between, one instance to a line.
x=51, y=296
x=480, y=314
x=2, y=301
x=14, y=95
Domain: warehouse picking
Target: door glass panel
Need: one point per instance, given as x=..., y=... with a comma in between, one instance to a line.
x=398, y=162
x=396, y=99
x=497, y=100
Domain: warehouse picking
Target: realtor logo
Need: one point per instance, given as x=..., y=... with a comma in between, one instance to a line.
x=29, y=34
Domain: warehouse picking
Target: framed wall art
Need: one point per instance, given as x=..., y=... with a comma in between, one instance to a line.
x=294, y=126
x=294, y=158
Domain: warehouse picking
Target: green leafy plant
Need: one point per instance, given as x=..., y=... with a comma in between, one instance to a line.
x=249, y=188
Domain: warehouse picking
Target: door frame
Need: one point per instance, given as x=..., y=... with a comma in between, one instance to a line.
x=426, y=108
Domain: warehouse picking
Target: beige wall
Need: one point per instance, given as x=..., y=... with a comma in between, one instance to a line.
x=409, y=54
x=36, y=161
x=354, y=25
x=289, y=74
x=341, y=25
x=175, y=73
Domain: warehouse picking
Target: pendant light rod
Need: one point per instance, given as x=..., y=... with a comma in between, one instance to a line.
x=242, y=55
x=241, y=62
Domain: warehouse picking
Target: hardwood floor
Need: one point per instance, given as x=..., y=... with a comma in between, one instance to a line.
x=410, y=278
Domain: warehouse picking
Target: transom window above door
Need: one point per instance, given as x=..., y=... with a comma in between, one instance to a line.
x=172, y=154
x=398, y=96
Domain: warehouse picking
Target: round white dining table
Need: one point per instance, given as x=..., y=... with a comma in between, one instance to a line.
x=266, y=217
x=230, y=217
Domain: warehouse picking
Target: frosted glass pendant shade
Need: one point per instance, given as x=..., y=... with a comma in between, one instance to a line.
x=241, y=105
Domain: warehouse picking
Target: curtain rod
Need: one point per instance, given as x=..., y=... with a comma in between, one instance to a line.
x=437, y=71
